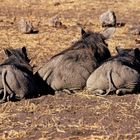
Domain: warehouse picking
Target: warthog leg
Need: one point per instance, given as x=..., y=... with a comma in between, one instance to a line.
x=123, y=91
x=64, y=90
x=102, y=93
x=69, y=91
x=99, y=92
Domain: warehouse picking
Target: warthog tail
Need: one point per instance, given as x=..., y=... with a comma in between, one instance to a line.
x=111, y=84
x=5, y=85
x=48, y=73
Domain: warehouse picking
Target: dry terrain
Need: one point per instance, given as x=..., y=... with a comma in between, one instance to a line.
x=80, y=116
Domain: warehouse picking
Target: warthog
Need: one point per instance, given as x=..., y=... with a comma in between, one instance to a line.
x=16, y=76
x=69, y=69
x=120, y=73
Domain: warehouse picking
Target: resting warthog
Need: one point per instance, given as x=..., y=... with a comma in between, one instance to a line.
x=16, y=76
x=120, y=73
x=69, y=69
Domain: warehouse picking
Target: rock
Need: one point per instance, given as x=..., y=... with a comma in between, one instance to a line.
x=55, y=22
x=137, y=46
x=26, y=27
x=137, y=41
x=108, y=19
x=135, y=31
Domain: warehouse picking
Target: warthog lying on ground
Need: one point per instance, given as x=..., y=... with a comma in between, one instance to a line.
x=69, y=69
x=120, y=73
x=16, y=76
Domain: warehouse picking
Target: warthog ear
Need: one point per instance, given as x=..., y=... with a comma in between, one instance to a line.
x=24, y=50
x=137, y=52
x=8, y=52
x=83, y=31
x=107, y=33
x=119, y=50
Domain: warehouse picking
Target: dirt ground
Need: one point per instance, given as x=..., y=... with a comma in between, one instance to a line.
x=80, y=116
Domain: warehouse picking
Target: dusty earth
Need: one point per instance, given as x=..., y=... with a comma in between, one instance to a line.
x=62, y=116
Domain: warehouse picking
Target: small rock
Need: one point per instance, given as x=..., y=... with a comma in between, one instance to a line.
x=137, y=41
x=55, y=22
x=26, y=27
x=135, y=31
x=108, y=19
x=137, y=46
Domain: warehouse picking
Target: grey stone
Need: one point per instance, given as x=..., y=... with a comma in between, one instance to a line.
x=26, y=27
x=108, y=19
x=135, y=31
x=56, y=22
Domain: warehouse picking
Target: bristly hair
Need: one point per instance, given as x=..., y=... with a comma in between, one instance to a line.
x=89, y=40
x=18, y=58
x=127, y=58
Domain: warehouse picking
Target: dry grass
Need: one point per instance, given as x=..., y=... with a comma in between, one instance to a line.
x=78, y=116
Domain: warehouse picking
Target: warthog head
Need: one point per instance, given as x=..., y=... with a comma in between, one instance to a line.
x=17, y=57
x=130, y=57
x=20, y=53
x=94, y=42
